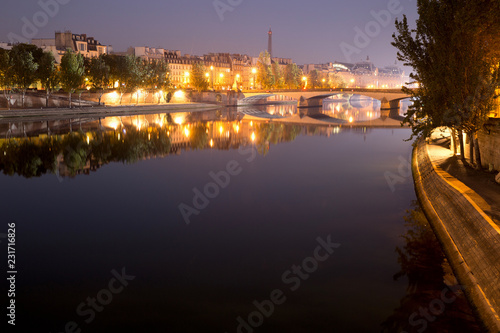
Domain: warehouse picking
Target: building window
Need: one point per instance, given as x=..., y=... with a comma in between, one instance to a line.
x=82, y=47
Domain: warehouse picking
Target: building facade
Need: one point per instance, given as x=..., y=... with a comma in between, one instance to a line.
x=78, y=43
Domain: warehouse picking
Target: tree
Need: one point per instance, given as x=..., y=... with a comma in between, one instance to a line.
x=72, y=72
x=279, y=76
x=159, y=77
x=264, y=72
x=457, y=87
x=314, y=78
x=118, y=72
x=6, y=75
x=99, y=74
x=24, y=68
x=293, y=76
x=336, y=81
x=198, y=78
x=135, y=74
x=48, y=74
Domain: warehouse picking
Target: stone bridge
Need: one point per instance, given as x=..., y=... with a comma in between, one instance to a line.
x=390, y=98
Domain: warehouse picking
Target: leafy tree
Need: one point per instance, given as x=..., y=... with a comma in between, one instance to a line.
x=118, y=71
x=336, y=81
x=6, y=82
x=279, y=76
x=198, y=79
x=159, y=76
x=314, y=79
x=48, y=74
x=456, y=88
x=264, y=72
x=293, y=76
x=24, y=68
x=135, y=75
x=99, y=74
x=72, y=72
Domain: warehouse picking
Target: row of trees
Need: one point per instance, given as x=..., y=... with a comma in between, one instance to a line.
x=273, y=76
x=25, y=65
x=454, y=53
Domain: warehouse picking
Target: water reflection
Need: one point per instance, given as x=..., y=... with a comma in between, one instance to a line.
x=356, y=108
x=54, y=147
x=434, y=301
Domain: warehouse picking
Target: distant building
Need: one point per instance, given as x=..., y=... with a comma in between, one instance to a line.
x=86, y=46
x=6, y=46
x=363, y=74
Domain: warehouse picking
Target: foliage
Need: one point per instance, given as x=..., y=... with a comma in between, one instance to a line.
x=48, y=74
x=264, y=72
x=72, y=72
x=24, y=67
x=6, y=74
x=456, y=89
x=198, y=78
x=314, y=79
x=279, y=76
x=293, y=76
x=158, y=75
x=99, y=74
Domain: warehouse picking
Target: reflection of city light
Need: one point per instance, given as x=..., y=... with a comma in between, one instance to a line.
x=351, y=119
x=149, y=136
x=251, y=124
x=113, y=123
x=186, y=132
x=221, y=129
x=179, y=120
x=253, y=137
x=211, y=143
x=237, y=128
x=88, y=139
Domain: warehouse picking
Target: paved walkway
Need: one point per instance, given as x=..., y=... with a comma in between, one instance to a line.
x=470, y=238
x=106, y=111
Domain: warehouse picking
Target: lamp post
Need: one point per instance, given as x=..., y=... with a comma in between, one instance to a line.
x=305, y=81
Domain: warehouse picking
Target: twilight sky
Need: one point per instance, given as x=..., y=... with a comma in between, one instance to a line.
x=313, y=31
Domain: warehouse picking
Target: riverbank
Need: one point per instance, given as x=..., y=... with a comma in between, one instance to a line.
x=470, y=237
x=108, y=111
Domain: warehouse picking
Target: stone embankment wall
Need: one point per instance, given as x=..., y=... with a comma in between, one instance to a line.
x=469, y=237
x=61, y=100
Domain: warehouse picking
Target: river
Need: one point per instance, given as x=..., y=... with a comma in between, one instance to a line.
x=219, y=221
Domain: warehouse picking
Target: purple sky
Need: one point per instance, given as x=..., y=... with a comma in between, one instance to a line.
x=307, y=31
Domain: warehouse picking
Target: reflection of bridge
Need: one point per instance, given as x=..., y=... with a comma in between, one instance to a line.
x=316, y=116
x=390, y=98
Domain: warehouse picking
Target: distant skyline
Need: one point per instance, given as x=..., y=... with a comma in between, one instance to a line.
x=315, y=31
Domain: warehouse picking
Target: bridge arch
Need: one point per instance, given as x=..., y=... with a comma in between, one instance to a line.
x=390, y=99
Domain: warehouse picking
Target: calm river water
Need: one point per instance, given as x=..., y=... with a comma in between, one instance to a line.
x=215, y=222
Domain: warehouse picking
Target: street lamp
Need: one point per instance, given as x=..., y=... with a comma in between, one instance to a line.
x=304, y=78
